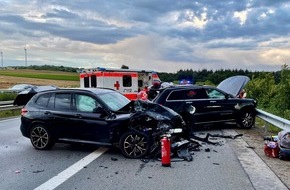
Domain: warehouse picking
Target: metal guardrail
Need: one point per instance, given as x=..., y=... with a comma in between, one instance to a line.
x=4, y=103
x=8, y=105
x=9, y=91
x=274, y=120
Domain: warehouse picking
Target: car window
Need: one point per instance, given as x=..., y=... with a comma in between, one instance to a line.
x=214, y=94
x=176, y=95
x=85, y=103
x=187, y=94
x=62, y=101
x=127, y=81
x=43, y=99
x=195, y=94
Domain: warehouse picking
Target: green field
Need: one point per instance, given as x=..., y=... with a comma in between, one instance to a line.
x=51, y=75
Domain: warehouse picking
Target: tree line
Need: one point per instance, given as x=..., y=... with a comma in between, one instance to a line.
x=270, y=89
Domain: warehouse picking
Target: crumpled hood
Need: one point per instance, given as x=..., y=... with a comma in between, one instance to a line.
x=234, y=84
x=155, y=110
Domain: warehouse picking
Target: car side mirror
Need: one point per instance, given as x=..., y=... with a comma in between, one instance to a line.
x=191, y=109
x=227, y=96
x=98, y=110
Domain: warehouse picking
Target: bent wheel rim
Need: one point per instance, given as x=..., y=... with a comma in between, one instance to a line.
x=135, y=145
x=39, y=137
x=247, y=120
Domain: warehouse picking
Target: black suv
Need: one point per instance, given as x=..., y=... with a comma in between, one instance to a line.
x=98, y=116
x=207, y=104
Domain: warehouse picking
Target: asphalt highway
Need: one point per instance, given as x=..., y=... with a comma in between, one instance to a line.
x=230, y=166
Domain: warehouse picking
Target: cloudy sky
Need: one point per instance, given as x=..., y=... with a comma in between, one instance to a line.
x=163, y=35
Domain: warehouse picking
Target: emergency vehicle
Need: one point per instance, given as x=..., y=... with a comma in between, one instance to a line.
x=126, y=81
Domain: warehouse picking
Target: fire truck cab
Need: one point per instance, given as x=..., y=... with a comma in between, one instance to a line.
x=126, y=81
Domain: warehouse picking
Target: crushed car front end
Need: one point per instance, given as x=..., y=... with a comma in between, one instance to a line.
x=148, y=122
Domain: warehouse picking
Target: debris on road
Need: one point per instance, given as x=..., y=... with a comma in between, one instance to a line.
x=38, y=171
x=183, y=149
x=278, y=146
x=114, y=159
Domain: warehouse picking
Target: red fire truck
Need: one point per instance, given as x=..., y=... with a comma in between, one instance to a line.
x=127, y=81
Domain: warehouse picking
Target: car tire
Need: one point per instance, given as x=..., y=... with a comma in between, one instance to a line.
x=41, y=138
x=134, y=144
x=247, y=119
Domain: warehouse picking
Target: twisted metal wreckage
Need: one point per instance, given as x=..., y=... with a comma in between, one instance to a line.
x=147, y=120
x=183, y=149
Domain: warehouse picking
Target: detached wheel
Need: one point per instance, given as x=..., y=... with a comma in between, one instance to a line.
x=247, y=119
x=41, y=137
x=134, y=145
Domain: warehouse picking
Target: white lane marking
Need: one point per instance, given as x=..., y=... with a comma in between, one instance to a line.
x=70, y=171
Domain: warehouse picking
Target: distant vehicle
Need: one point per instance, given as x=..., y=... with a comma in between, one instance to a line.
x=201, y=105
x=126, y=81
x=24, y=96
x=20, y=87
x=97, y=116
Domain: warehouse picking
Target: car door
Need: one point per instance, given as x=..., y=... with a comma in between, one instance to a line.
x=182, y=100
x=89, y=119
x=197, y=99
x=59, y=113
x=218, y=105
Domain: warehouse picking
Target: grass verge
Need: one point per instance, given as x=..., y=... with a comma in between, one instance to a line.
x=41, y=75
x=10, y=113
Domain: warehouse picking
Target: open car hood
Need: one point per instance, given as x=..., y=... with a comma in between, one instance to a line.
x=24, y=96
x=234, y=84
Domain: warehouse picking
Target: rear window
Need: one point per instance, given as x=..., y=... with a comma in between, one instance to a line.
x=43, y=100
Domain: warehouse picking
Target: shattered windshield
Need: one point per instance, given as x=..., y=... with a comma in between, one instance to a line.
x=115, y=101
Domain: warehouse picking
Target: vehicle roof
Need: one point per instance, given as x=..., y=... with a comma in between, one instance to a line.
x=93, y=90
x=183, y=87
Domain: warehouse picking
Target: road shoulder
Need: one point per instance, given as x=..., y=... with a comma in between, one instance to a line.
x=263, y=171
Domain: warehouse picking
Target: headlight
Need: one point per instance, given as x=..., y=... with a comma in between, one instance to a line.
x=178, y=130
x=163, y=126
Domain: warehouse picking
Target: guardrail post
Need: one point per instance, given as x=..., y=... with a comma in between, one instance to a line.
x=266, y=128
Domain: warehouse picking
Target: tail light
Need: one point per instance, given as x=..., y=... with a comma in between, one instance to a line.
x=23, y=111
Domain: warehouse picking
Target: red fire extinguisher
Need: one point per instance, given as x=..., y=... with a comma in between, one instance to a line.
x=165, y=151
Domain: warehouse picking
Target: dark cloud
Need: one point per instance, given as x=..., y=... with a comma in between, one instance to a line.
x=220, y=16
x=63, y=14
x=108, y=22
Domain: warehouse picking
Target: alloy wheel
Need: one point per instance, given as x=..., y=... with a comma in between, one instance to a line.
x=135, y=146
x=247, y=120
x=39, y=137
